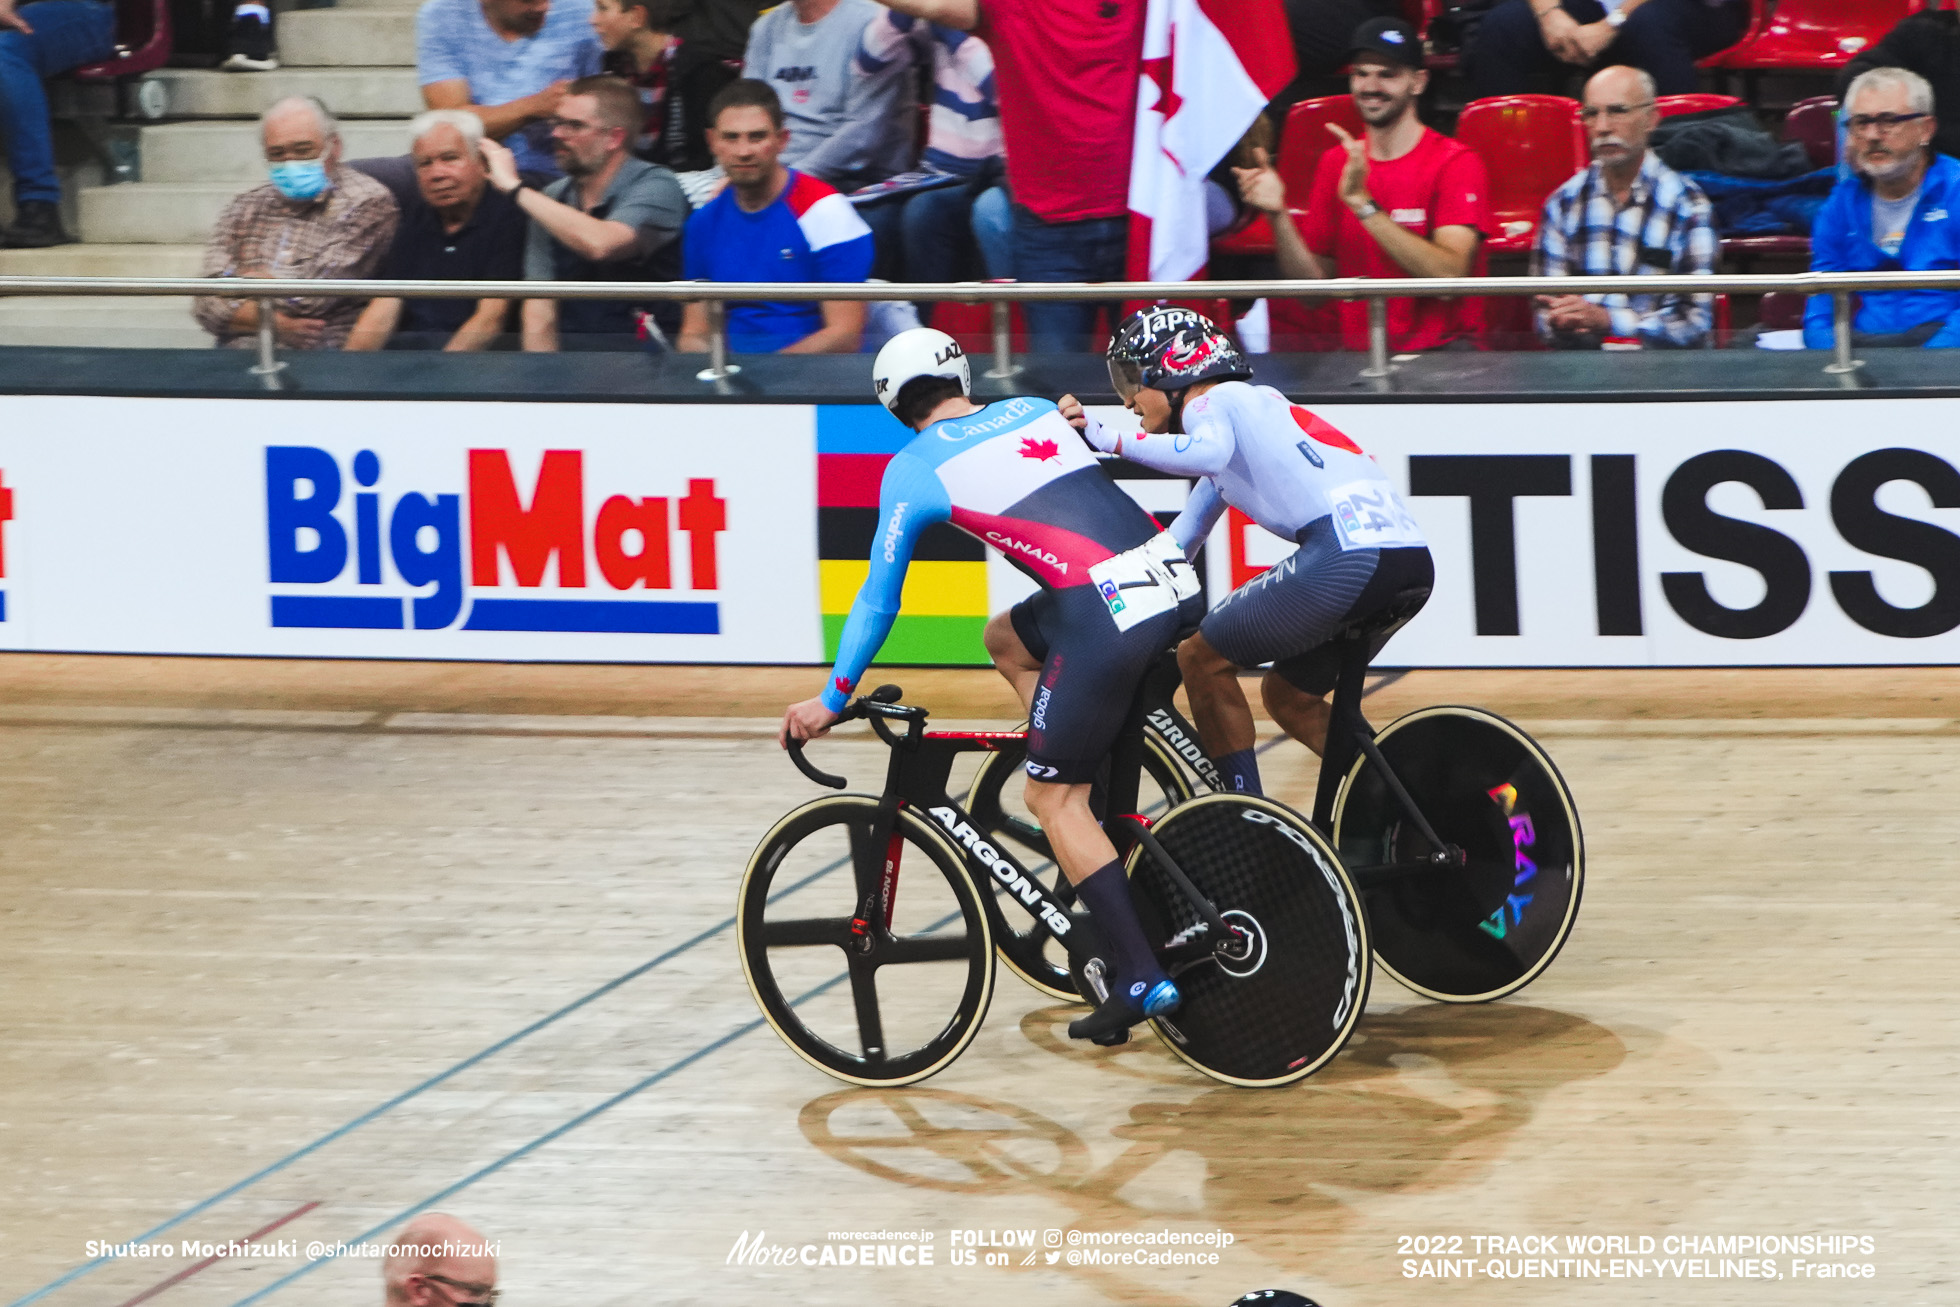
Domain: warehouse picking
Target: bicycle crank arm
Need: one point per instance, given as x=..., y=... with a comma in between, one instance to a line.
x=1183, y=882
x=1381, y=873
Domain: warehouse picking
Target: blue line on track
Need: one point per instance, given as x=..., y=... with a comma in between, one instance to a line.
x=543, y=1139
x=374, y=1113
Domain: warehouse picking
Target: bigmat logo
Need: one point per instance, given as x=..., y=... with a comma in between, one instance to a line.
x=454, y=543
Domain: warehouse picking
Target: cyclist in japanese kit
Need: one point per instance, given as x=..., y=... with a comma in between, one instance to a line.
x=1360, y=552
x=1115, y=590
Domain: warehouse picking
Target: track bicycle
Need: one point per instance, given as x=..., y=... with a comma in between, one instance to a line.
x=1259, y=923
x=1456, y=826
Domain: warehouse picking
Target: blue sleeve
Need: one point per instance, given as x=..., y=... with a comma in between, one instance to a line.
x=911, y=499
x=1828, y=239
x=436, y=46
x=1201, y=512
x=694, y=247
x=846, y=260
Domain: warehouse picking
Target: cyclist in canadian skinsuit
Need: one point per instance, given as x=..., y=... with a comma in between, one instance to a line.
x=1360, y=551
x=1115, y=590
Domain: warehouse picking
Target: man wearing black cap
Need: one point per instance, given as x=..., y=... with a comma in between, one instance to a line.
x=1402, y=201
x=1536, y=45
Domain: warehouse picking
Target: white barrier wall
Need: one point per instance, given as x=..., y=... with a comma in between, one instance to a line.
x=1664, y=534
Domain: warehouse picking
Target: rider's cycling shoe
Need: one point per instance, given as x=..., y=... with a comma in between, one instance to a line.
x=1110, y=1024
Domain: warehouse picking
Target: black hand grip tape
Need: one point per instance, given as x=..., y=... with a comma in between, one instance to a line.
x=803, y=765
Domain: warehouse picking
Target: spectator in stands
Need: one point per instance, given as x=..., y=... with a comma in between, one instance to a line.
x=1927, y=43
x=1901, y=211
x=455, y=229
x=438, y=1261
x=719, y=29
x=1535, y=45
x=612, y=217
x=1401, y=202
x=927, y=235
x=850, y=124
x=1067, y=71
x=38, y=41
x=675, y=80
x=508, y=62
x=772, y=223
x=314, y=219
x=1627, y=214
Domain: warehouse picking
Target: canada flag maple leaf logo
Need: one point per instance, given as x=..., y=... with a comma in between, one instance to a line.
x=1041, y=449
x=843, y=686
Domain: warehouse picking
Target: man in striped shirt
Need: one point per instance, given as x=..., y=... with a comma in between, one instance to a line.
x=1627, y=213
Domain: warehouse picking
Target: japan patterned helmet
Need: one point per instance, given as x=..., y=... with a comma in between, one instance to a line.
x=1168, y=348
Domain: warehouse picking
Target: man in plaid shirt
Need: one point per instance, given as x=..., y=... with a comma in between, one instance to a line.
x=1627, y=213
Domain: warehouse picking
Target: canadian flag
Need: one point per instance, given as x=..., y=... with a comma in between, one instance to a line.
x=1209, y=67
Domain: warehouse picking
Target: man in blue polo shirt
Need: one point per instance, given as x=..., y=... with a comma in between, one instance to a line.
x=508, y=62
x=772, y=223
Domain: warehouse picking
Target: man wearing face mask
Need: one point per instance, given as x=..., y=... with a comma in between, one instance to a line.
x=314, y=219
x=1901, y=211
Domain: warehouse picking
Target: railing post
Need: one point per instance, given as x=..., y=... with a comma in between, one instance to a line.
x=1841, y=336
x=1378, y=364
x=719, y=368
x=1004, y=365
x=269, y=365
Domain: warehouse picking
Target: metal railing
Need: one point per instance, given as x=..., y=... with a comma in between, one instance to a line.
x=716, y=295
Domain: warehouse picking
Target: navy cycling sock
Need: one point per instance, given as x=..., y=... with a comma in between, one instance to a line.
x=1128, y=953
x=1241, y=772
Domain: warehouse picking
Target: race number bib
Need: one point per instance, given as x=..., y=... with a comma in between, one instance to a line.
x=1370, y=515
x=1140, y=583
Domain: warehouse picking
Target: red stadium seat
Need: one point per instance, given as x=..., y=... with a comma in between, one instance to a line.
x=1698, y=102
x=972, y=325
x=1782, y=310
x=1530, y=144
x=1305, y=139
x=143, y=42
x=1812, y=123
x=1816, y=35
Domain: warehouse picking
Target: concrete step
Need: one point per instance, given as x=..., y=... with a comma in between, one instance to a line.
x=230, y=151
x=104, y=261
x=154, y=213
x=348, y=92
x=328, y=38
x=110, y=321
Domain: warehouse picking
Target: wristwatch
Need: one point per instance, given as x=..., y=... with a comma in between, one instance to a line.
x=1616, y=18
x=1367, y=211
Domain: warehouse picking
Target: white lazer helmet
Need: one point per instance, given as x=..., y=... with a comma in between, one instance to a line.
x=920, y=352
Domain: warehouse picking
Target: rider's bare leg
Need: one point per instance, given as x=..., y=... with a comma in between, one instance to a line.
x=1301, y=715
x=1013, y=661
x=1219, y=709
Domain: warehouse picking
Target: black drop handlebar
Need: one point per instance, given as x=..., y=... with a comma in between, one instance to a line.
x=874, y=707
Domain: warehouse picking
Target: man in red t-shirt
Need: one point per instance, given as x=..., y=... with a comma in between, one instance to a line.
x=1401, y=202
x=1067, y=74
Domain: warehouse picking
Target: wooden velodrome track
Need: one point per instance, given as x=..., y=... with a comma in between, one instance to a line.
x=244, y=905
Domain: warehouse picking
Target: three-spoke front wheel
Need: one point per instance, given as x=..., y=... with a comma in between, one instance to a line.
x=886, y=996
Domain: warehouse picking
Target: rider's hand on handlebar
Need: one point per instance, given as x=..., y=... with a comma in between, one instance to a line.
x=805, y=721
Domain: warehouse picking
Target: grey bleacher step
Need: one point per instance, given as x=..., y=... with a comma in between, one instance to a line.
x=103, y=261
x=154, y=213
x=230, y=151
x=328, y=38
x=122, y=321
x=348, y=92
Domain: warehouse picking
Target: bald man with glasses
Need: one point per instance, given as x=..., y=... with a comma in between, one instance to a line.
x=439, y=1261
x=1626, y=214
x=1899, y=211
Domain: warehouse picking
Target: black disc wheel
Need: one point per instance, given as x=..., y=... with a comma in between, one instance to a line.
x=995, y=803
x=1464, y=934
x=1279, y=1002
x=872, y=957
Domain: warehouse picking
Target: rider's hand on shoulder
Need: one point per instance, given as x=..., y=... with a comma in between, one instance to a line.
x=1098, y=436
x=805, y=721
x=1072, y=411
